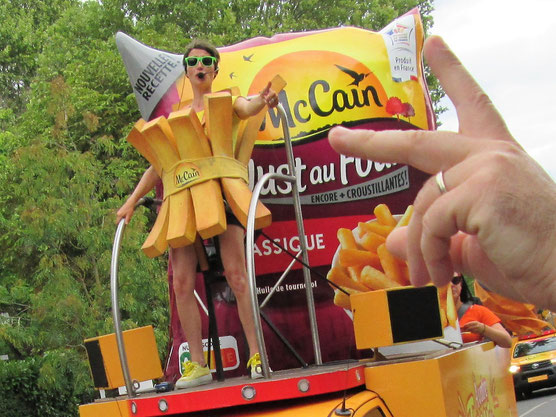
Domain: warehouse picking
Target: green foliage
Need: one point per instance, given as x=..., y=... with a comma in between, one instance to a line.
x=21, y=40
x=42, y=387
x=66, y=107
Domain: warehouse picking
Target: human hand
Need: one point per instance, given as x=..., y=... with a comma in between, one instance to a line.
x=269, y=96
x=126, y=211
x=497, y=220
x=496, y=332
x=474, y=327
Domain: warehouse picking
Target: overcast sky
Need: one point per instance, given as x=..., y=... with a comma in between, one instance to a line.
x=510, y=48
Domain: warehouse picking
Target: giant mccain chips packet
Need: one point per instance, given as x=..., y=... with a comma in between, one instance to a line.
x=348, y=76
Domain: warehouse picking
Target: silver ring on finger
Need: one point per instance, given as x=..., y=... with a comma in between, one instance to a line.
x=439, y=177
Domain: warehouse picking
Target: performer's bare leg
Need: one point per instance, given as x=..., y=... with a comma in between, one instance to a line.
x=184, y=264
x=232, y=253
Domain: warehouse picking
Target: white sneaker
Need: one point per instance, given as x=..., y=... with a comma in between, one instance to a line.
x=254, y=366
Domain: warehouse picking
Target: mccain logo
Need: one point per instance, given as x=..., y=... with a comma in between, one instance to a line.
x=185, y=174
x=323, y=89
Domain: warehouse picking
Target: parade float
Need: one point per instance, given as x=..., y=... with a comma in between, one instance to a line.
x=341, y=328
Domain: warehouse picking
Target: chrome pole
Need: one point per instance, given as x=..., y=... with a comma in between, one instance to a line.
x=250, y=261
x=250, y=257
x=116, y=308
x=302, y=238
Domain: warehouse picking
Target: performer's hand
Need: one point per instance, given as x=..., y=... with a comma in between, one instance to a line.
x=126, y=211
x=496, y=221
x=245, y=108
x=146, y=183
x=269, y=96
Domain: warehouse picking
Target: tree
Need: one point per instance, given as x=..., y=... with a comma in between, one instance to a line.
x=65, y=167
x=21, y=40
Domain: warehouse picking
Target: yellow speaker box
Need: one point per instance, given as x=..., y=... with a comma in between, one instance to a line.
x=397, y=315
x=142, y=358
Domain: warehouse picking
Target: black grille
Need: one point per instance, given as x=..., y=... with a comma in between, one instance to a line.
x=536, y=365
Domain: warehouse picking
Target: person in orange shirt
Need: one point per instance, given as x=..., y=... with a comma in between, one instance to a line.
x=477, y=322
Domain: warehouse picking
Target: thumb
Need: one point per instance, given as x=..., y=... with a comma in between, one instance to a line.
x=396, y=242
x=265, y=90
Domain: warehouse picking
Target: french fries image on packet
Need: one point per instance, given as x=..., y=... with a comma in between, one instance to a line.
x=448, y=312
x=363, y=263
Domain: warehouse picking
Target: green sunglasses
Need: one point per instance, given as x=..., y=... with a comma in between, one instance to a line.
x=193, y=61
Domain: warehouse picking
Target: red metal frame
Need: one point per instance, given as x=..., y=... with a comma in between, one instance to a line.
x=220, y=395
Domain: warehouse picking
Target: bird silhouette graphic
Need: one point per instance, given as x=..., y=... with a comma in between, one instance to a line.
x=248, y=57
x=357, y=77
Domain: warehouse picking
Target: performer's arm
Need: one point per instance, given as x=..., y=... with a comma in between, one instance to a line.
x=245, y=108
x=146, y=184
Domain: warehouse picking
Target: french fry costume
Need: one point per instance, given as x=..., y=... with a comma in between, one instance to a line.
x=198, y=165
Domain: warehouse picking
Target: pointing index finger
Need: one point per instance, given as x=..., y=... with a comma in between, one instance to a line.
x=477, y=115
x=428, y=151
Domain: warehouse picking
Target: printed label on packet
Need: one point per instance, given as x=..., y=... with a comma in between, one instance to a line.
x=399, y=38
x=228, y=349
x=390, y=183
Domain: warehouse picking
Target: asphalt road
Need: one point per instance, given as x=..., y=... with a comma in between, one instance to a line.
x=541, y=404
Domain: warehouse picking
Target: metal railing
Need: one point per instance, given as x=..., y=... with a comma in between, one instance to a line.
x=131, y=392
x=249, y=250
x=116, y=308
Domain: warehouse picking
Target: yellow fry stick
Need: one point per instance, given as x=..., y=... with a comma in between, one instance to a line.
x=383, y=215
x=354, y=273
x=238, y=196
x=342, y=300
x=356, y=257
x=182, y=229
x=371, y=241
x=404, y=221
x=390, y=264
x=442, y=295
x=451, y=312
x=443, y=318
x=139, y=142
x=340, y=278
x=347, y=241
x=156, y=243
x=375, y=227
x=442, y=301
x=373, y=279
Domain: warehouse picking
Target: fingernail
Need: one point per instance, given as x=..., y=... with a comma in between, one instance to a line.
x=338, y=130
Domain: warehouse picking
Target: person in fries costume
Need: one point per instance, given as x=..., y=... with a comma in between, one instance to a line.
x=476, y=321
x=201, y=67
